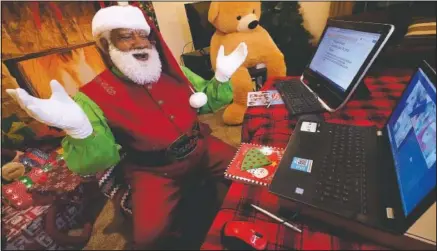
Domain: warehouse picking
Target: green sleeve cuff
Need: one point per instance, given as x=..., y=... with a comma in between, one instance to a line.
x=219, y=94
x=81, y=142
x=98, y=151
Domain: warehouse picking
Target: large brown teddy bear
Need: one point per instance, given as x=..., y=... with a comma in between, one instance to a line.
x=237, y=22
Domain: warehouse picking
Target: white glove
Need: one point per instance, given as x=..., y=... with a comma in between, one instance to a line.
x=58, y=111
x=227, y=65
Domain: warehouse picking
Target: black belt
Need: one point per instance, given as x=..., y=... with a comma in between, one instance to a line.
x=178, y=150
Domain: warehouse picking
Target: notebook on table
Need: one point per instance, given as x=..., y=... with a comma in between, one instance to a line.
x=254, y=164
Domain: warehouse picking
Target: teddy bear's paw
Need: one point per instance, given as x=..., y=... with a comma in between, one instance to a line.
x=234, y=114
x=12, y=171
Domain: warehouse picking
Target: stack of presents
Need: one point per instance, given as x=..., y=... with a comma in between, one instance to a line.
x=42, y=201
x=33, y=184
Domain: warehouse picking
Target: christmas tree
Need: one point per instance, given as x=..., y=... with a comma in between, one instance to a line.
x=284, y=22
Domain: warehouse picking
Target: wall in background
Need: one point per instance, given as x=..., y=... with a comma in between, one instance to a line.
x=176, y=31
x=173, y=25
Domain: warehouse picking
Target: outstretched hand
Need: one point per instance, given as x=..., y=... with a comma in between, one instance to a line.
x=59, y=110
x=227, y=65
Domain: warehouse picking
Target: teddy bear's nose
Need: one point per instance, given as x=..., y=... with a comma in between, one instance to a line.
x=253, y=24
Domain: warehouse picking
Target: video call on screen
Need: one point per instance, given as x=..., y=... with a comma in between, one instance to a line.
x=412, y=135
x=341, y=54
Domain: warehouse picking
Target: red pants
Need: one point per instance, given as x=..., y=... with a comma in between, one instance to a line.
x=155, y=196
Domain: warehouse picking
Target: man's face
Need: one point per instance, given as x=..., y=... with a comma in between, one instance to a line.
x=127, y=40
x=134, y=55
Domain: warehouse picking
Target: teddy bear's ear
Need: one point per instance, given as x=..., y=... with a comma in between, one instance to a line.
x=213, y=11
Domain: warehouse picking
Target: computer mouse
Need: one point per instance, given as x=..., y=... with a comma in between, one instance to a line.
x=243, y=235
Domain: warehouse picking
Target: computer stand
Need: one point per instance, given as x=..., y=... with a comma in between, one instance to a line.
x=362, y=92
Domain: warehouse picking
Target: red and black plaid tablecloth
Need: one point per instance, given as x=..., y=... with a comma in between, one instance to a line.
x=273, y=126
x=314, y=236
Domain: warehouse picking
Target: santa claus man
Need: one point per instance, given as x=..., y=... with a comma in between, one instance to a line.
x=145, y=104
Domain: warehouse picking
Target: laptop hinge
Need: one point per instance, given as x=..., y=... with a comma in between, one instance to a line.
x=311, y=90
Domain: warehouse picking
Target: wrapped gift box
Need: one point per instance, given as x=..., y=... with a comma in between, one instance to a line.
x=24, y=229
x=23, y=226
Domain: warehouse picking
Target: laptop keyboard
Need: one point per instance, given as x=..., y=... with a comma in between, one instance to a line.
x=297, y=98
x=342, y=178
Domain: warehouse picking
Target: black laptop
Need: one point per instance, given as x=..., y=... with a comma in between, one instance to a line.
x=345, y=52
x=383, y=178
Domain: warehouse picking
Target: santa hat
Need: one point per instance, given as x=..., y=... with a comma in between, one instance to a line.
x=119, y=16
x=169, y=63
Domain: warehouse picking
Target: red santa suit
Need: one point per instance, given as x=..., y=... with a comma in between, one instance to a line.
x=166, y=147
x=164, y=141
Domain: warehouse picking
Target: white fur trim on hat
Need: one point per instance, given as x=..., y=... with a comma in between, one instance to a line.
x=116, y=17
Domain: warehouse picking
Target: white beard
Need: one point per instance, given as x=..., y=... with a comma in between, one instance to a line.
x=140, y=72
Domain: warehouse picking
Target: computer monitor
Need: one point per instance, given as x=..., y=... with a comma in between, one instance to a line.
x=201, y=29
x=345, y=52
x=341, y=53
x=412, y=135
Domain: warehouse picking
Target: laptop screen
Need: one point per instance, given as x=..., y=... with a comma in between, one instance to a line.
x=340, y=55
x=412, y=135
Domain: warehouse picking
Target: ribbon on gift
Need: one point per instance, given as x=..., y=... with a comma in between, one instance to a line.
x=35, y=176
x=28, y=182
